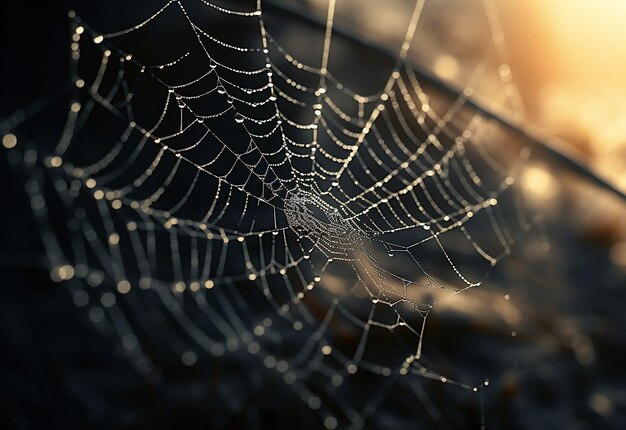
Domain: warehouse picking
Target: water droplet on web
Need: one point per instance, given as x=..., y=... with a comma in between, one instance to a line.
x=342, y=234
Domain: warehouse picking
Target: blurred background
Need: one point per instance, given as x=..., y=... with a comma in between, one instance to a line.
x=547, y=328
x=566, y=58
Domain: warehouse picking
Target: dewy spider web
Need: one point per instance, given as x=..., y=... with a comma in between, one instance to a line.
x=249, y=201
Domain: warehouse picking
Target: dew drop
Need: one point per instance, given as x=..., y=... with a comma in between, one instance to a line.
x=239, y=119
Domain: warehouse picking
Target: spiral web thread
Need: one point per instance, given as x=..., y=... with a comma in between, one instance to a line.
x=260, y=197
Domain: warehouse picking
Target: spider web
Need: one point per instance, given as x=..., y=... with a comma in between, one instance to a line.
x=239, y=198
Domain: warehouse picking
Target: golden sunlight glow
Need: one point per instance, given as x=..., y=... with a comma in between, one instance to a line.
x=575, y=53
x=539, y=183
x=446, y=67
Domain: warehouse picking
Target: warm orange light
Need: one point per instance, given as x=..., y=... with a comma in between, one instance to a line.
x=539, y=183
x=575, y=51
